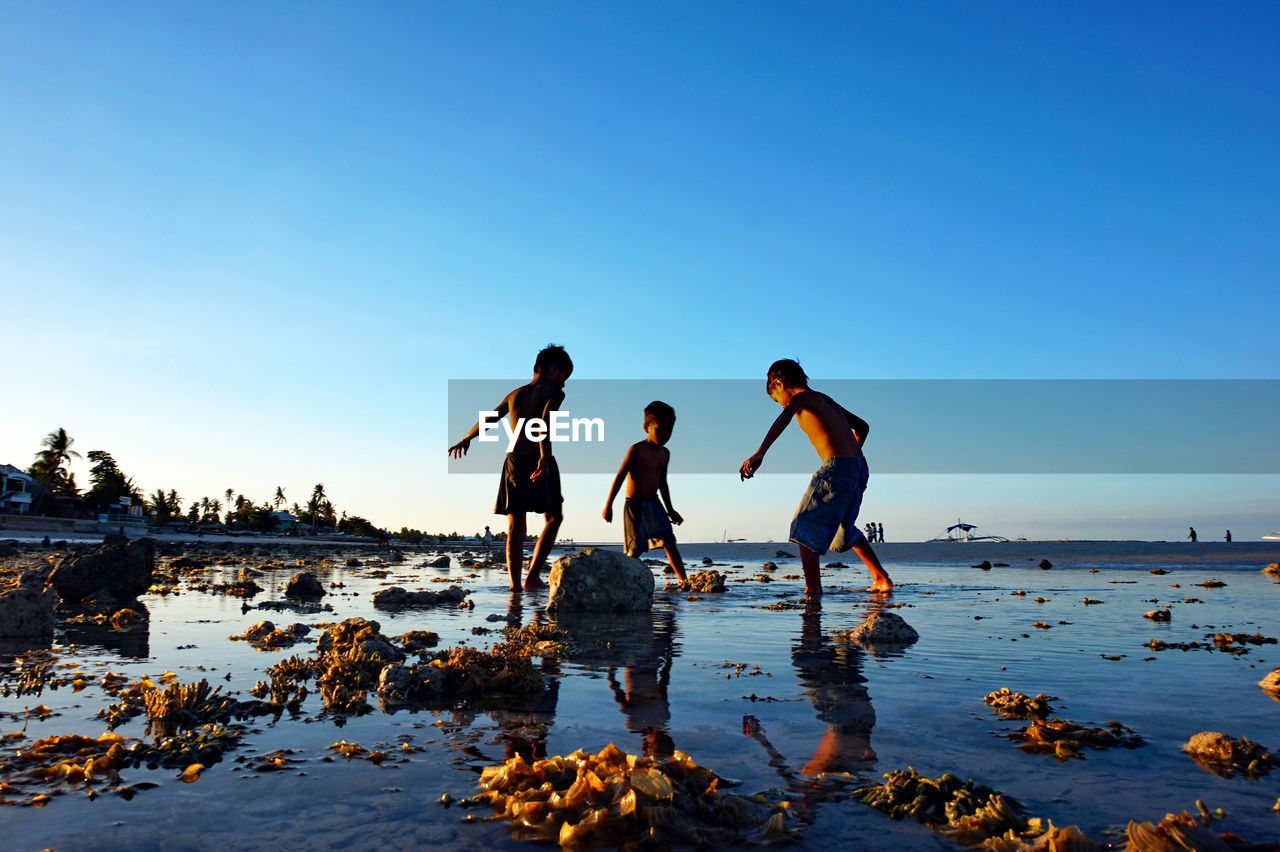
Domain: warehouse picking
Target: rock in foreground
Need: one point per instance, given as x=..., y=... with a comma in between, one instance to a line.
x=398, y=598
x=883, y=630
x=597, y=580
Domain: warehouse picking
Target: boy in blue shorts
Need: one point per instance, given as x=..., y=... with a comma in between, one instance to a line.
x=828, y=513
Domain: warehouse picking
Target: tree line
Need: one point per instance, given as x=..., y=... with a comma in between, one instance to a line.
x=57, y=492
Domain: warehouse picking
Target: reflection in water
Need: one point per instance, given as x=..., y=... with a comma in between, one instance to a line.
x=831, y=676
x=133, y=642
x=524, y=730
x=643, y=646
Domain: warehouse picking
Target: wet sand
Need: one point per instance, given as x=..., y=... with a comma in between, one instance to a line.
x=690, y=675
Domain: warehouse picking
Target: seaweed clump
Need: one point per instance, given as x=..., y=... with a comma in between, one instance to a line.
x=706, y=582
x=1016, y=705
x=1064, y=739
x=966, y=812
x=1179, y=832
x=616, y=799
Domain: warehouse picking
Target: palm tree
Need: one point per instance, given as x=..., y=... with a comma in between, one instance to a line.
x=229, y=493
x=280, y=499
x=51, y=461
x=215, y=506
x=313, y=505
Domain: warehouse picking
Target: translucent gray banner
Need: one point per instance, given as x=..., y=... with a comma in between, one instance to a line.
x=917, y=426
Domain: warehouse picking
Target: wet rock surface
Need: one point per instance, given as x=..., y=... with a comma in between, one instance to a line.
x=883, y=630
x=120, y=567
x=597, y=580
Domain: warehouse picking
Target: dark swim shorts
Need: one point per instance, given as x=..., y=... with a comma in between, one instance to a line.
x=828, y=512
x=517, y=495
x=645, y=525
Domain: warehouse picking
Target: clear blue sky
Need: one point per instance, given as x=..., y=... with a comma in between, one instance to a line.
x=247, y=247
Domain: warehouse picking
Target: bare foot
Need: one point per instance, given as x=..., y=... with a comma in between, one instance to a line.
x=516, y=589
x=882, y=587
x=813, y=593
x=534, y=582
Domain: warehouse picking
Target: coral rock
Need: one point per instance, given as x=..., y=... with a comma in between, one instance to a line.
x=596, y=580
x=883, y=629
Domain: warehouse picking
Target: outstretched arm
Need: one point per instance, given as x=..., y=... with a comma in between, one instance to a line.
x=459, y=449
x=613, y=489
x=751, y=465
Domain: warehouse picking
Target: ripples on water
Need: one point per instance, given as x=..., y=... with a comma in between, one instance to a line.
x=766, y=697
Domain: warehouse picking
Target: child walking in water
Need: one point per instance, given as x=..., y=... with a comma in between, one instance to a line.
x=530, y=479
x=828, y=513
x=646, y=521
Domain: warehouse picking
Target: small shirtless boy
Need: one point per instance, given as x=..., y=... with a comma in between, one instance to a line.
x=646, y=521
x=828, y=513
x=530, y=478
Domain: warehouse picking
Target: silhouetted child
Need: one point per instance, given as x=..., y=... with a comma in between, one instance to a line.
x=530, y=478
x=828, y=513
x=646, y=521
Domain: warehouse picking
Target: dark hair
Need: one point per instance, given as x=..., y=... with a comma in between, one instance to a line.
x=661, y=413
x=789, y=372
x=553, y=355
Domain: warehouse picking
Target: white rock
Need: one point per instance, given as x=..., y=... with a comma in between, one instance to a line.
x=597, y=580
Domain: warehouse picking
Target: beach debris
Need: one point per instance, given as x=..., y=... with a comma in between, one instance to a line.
x=1212, y=584
x=1162, y=614
x=538, y=640
x=1088, y=601
x=1045, y=564
x=617, y=799
x=1064, y=739
x=1158, y=571
x=399, y=598
x=1271, y=684
x=1016, y=705
x=304, y=585
x=881, y=631
x=1234, y=642
x=1224, y=756
x=265, y=636
x=1272, y=570
x=597, y=580
x=705, y=582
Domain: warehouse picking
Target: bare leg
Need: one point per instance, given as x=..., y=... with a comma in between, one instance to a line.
x=880, y=581
x=673, y=556
x=812, y=573
x=533, y=580
x=515, y=549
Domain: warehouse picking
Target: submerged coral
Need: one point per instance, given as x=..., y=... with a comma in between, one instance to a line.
x=1224, y=756
x=1064, y=739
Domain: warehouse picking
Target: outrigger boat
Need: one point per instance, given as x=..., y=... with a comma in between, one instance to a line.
x=1275, y=536
x=960, y=531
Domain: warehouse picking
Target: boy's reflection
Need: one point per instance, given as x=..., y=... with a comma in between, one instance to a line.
x=644, y=701
x=831, y=675
x=524, y=731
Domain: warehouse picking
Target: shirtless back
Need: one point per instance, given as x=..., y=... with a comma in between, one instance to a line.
x=534, y=400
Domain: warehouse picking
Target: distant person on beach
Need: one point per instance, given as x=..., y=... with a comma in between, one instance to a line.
x=646, y=520
x=1192, y=534
x=487, y=539
x=828, y=512
x=1228, y=536
x=880, y=533
x=869, y=530
x=530, y=480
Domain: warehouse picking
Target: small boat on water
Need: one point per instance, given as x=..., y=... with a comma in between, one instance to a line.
x=960, y=531
x=1275, y=536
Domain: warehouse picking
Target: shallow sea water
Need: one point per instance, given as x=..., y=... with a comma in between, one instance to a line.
x=813, y=703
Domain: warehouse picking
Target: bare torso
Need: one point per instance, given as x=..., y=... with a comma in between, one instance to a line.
x=824, y=421
x=530, y=401
x=644, y=473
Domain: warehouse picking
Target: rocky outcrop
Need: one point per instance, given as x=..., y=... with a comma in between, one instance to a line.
x=26, y=612
x=596, y=580
x=304, y=585
x=119, y=567
x=439, y=562
x=398, y=598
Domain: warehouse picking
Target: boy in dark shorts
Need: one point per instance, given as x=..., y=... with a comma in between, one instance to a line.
x=828, y=513
x=530, y=479
x=646, y=520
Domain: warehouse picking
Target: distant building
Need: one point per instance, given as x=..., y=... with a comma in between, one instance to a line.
x=16, y=490
x=287, y=521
